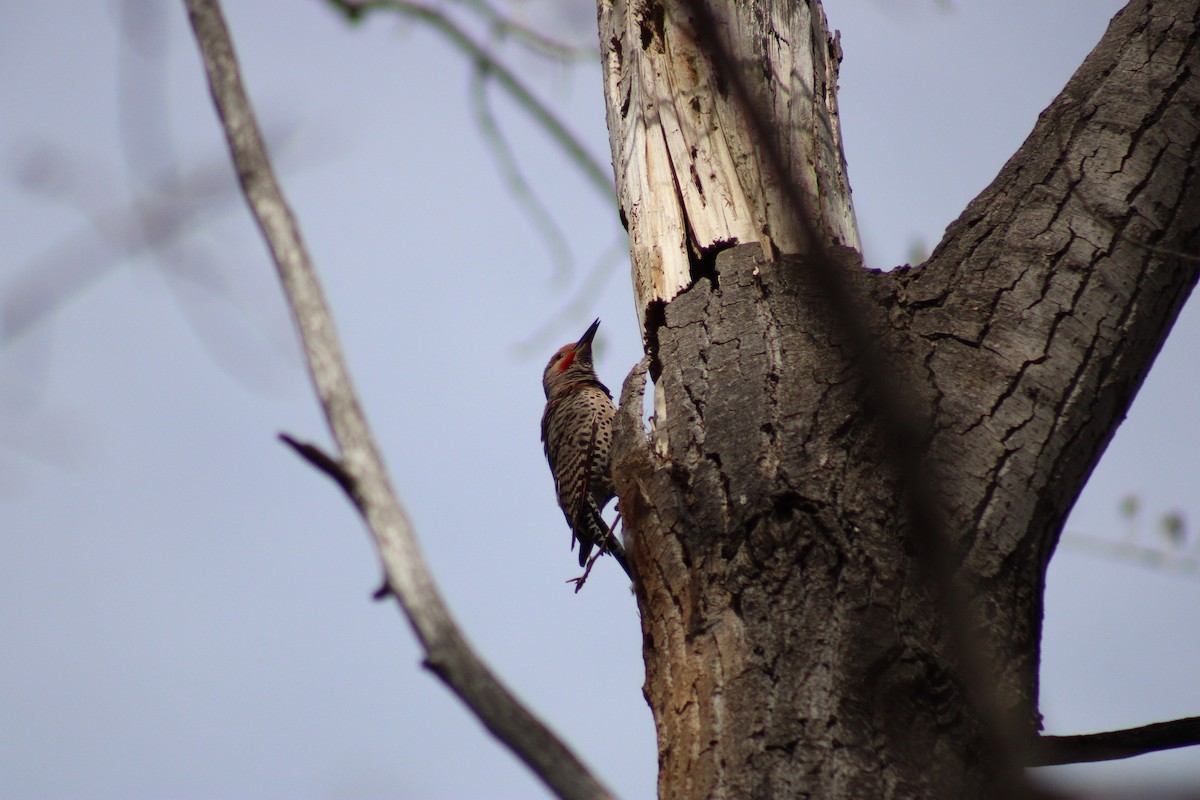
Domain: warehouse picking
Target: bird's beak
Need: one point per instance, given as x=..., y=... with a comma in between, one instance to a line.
x=588, y=335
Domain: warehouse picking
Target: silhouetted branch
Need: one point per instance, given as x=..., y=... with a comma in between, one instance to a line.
x=1112, y=745
x=447, y=653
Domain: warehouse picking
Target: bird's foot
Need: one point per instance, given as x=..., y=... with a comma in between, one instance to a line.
x=587, y=570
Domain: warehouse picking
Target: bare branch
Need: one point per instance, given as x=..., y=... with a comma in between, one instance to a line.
x=532, y=38
x=518, y=187
x=1112, y=745
x=447, y=653
x=597, y=174
x=501, y=25
x=156, y=221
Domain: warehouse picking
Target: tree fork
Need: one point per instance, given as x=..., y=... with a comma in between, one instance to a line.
x=791, y=648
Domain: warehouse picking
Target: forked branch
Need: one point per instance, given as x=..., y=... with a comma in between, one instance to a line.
x=359, y=467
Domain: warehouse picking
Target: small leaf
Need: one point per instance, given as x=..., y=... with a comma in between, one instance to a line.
x=1130, y=505
x=917, y=251
x=1174, y=527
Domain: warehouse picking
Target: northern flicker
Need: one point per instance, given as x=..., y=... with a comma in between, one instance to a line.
x=577, y=434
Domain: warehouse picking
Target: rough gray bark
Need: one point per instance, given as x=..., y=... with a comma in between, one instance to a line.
x=1042, y=309
x=792, y=646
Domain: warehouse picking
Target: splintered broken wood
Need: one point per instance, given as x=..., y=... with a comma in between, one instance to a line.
x=690, y=175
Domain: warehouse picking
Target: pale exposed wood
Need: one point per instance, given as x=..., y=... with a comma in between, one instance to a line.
x=689, y=174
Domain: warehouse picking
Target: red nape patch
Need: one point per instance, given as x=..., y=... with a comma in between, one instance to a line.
x=567, y=360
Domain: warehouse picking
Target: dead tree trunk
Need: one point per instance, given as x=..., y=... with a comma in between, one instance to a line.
x=793, y=646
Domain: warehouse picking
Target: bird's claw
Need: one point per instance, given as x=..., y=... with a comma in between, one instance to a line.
x=587, y=570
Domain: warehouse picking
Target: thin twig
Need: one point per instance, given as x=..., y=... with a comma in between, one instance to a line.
x=164, y=209
x=518, y=187
x=322, y=461
x=1142, y=555
x=586, y=295
x=597, y=174
x=531, y=38
x=1049, y=751
x=447, y=653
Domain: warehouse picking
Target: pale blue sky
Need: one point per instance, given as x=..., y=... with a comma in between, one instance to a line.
x=185, y=606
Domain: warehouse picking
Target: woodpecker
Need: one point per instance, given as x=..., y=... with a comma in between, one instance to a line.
x=577, y=434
